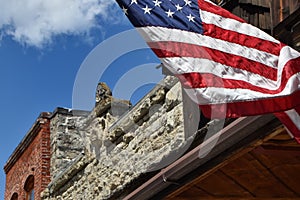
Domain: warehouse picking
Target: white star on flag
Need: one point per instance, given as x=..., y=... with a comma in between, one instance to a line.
x=178, y=7
x=191, y=18
x=133, y=2
x=157, y=3
x=188, y=2
x=147, y=10
x=170, y=13
x=125, y=10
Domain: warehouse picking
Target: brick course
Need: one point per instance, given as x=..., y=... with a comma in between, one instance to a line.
x=31, y=157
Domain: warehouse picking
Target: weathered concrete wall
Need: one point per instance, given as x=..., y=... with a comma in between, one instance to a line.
x=118, y=151
x=66, y=140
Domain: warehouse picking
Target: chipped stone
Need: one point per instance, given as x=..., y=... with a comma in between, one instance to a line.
x=119, y=149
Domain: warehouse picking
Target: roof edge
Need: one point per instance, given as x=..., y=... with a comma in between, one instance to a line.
x=68, y=111
x=33, y=131
x=26, y=141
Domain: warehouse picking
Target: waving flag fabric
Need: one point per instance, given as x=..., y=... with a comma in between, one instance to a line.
x=227, y=64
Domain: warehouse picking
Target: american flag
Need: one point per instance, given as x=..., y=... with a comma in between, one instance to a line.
x=227, y=64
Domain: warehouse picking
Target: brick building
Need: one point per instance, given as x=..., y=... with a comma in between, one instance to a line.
x=27, y=169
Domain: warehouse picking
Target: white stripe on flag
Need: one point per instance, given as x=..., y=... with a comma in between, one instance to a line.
x=158, y=34
x=286, y=54
x=294, y=116
x=225, y=95
x=234, y=25
x=182, y=65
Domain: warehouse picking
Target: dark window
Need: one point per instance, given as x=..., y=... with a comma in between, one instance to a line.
x=14, y=196
x=29, y=188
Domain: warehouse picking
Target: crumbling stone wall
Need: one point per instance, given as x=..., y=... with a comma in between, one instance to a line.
x=66, y=140
x=120, y=150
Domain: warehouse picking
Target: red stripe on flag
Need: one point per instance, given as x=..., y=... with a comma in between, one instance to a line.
x=197, y=80
x=209, y=7
x=202, y=80
x=297, y=109
x=242, y=39
x=177, y=49
x=255, y=107
x=285, y=119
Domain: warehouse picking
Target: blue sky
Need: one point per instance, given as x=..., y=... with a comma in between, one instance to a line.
x=42, y=46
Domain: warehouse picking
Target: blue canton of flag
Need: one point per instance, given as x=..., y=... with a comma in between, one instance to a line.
x=182, y=14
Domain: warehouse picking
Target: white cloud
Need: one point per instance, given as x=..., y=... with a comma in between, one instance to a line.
x=35, y=22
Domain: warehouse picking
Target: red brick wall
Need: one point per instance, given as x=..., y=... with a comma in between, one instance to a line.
x=35, y=160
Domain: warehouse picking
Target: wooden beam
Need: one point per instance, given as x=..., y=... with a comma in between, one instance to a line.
x=231, y=158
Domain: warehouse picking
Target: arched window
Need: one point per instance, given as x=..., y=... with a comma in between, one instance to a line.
x=14, y=196
x=29, y=187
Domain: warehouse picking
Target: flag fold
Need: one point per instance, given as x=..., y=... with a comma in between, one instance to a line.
x=224, y=63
